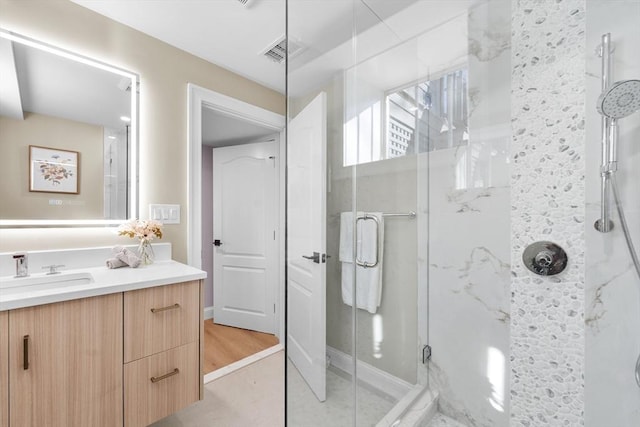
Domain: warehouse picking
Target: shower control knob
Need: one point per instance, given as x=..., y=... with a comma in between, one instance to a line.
x=545, y=258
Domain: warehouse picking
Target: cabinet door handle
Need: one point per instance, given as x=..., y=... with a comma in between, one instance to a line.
x=165, y=376
x=25, y=352
x=171, y=307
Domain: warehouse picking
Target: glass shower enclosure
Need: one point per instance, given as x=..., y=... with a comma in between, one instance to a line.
x=415, y=192
x=429, y=142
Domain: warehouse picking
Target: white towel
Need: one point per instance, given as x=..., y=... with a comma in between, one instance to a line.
x=126, y=256
x=346, y=237
x=115, y=263
x=368, y=280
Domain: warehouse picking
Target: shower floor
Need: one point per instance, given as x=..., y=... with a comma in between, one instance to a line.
x=304, y=410
x=443, y=421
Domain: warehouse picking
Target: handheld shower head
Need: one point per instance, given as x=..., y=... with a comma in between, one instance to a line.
x=620, y=100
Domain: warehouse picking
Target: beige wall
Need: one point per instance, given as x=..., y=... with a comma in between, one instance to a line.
x=51, y=132
x=164, y=72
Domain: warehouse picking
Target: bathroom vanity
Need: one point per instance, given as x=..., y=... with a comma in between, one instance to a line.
x=123, y=350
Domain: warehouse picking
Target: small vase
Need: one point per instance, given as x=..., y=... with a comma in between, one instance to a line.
x=145, y=252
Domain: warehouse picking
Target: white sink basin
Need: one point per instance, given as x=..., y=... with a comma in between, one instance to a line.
x=37, y=282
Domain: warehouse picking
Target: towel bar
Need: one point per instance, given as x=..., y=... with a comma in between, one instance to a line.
x=410, y=214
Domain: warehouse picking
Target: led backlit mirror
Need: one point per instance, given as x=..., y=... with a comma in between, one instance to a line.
x=68, y=133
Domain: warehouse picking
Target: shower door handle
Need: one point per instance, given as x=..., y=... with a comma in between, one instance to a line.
x=365, y=264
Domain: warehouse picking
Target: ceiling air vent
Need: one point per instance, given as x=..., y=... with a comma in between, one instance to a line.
x=277, y=52
x=245, y=3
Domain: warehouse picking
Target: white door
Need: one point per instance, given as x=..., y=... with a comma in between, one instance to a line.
x=245, y=256
x=306, y=232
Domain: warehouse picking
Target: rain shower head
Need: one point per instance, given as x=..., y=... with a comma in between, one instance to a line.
x=620, y=100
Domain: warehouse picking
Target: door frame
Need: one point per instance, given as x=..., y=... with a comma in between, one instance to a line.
x=197, y=97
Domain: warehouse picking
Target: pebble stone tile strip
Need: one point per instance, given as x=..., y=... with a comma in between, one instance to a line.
x=548, y=198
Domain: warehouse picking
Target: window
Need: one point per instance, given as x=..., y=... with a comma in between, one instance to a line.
x=429, y=115
x=424, y=116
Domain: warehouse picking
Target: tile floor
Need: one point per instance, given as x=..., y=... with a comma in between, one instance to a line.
x=253, y=396
x=442, y=421
x=304, y=410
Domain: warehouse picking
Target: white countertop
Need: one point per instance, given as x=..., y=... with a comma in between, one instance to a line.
x=106, y=281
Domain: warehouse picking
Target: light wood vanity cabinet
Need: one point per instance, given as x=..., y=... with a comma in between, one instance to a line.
x=161, y=384
x=162, y=328
x=160, y=318
x=127, y=359
x=4, y=368
x=66, y=363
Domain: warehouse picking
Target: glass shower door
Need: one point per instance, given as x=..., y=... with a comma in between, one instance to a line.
x=417, y=208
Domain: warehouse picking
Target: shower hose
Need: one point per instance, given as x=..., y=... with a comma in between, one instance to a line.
x=632, y=251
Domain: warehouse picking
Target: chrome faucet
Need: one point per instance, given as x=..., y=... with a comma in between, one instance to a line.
x=53, y=268
x=22, y=264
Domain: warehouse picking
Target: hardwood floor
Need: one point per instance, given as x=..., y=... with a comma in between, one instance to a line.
x=224, y=345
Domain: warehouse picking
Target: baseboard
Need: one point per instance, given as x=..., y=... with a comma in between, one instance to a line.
x=370, y=375
x=208, y=313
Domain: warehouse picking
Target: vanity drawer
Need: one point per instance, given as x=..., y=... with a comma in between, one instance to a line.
x=159, y=385
x=160, y=318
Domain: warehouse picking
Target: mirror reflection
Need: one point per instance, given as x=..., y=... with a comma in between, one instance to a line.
x=67, y=124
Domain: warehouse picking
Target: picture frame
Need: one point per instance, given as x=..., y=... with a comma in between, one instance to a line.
x=53, y=170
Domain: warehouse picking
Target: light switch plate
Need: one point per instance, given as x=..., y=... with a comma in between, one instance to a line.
x=166, y=214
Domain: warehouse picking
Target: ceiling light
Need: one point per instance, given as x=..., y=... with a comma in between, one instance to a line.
x=125, y=119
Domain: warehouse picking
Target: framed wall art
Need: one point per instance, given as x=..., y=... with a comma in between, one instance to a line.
x=52, y=170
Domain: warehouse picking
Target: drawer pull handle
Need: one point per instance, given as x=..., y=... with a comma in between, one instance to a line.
x=165, y=376
x=25, y=352
x=171, y=307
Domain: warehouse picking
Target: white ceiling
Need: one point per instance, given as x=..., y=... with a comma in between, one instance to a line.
x=220, y=31
x=226, y=33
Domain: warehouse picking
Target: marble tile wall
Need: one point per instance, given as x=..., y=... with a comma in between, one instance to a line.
x=547, y=203
x=612, y=294
x=469, y=297
x=468, y=235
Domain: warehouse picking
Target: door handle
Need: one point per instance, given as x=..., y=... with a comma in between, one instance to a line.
x=315, y=257
x=217, y=242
